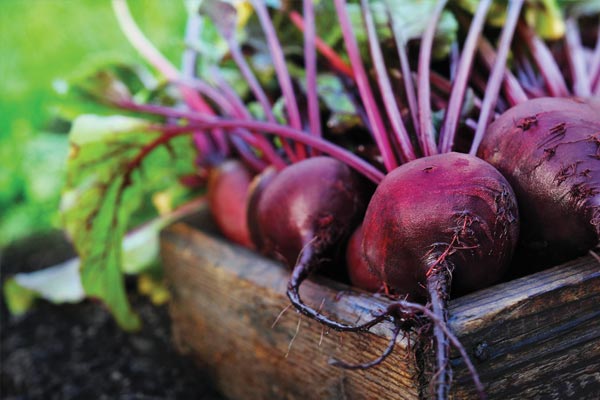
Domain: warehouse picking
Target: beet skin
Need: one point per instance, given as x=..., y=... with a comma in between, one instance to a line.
x=549, y=151
x=317, y=202
x=449, y=208
x=358, y=270
x=227, y=197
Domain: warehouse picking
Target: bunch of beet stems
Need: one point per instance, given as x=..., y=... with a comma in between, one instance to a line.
x=245, y=133
x=394, y=149
x=537, y=72
x=397, y=148
x=387, y=127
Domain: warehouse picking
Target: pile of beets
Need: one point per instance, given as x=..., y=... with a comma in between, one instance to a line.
x=419, y=210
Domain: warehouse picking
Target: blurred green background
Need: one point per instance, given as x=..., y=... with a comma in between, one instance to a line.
x=43, y=45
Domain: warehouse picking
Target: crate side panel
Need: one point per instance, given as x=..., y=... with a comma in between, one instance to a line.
x=537, y=337
x=224, y=305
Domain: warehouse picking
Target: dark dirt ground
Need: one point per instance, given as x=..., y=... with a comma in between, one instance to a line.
x=78, y=352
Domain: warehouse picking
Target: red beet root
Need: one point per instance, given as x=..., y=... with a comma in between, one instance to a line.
x=451, y=208
x=549, y=151
x=227, y=199
x=306, y=210
x=255, y=192
x=449, y=219
x=314, y=202
x=358, y=270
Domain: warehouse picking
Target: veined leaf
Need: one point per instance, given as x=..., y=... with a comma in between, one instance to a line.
x=93, y=128
x=409, y=19
x=114, y=163
x=61, y=283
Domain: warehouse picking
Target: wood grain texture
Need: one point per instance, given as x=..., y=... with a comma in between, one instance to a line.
x=537, y=337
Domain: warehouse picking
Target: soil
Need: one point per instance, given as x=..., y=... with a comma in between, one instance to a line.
x=78, y=352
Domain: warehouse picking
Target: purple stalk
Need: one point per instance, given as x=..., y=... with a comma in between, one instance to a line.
x=310, y=62
x=200, y=121
x=454, y=59
x=257, y=90
x=459, y=87
x=241, y=145
x=154, y=57
x=595, y=64
x=498, y=72
x=440, y=83
x=283, y=76
x=444, y=86
x=246, y=71
x=513, y=91
x=427, y=136
x=545, y=62
x=241, y=111
x=524, y=70
x=575, y=56
x=188, y=70
x=531, y=82
x=471, y=123
x=232, y=105
x=362, y=81
x=533, y=78
x=407, y=152
x=207, y=90
x=287, y=132
x=407, y=77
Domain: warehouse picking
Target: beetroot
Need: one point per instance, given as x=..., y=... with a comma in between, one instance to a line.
x=358, y=270
x=307, y=209
x=255, y=191
x=227, y=197
x=446, y=211
x=301, y=203
x=549, y=150
x=448, y=219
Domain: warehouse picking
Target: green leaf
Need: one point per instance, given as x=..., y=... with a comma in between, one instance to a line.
x=114, y=163
x=92, y=128
x=580, y=8
x=343, y=114
x=18, y=299
x=409, y=19
x=546, y=17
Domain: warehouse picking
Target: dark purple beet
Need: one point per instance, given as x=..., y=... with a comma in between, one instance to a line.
x=549, y=151
x=440, y=221
x=303, y=212
x=450, y=208
x=316, y=202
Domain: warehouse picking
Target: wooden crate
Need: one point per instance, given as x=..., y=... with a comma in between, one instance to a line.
x=536, y=337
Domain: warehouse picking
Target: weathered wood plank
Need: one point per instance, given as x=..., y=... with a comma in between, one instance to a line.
x=537, y=337
x=224, y=306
